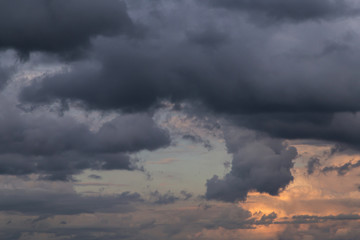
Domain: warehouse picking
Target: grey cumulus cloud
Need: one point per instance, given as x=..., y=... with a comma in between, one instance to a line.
x=341, y=127
x=228, y=69
x=259, y=164
x=250, y=80
x=59, y=147
x=191, y=74
x=255, y=78
x=59, y=26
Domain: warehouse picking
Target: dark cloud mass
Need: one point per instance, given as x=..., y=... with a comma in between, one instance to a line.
x=339, y=127
x=58, y=148
x=259, y=164
x=59, y=26
x=290, y=10
x=288, y=83
x=237, y=69
x=136, y=77
x=246, y=76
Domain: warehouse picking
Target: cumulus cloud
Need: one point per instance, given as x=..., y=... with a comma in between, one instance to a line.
x=259, y=79
x=59, y=147
x=58, y=26
x=267, y=85
x=340, y=127
x=259, y=164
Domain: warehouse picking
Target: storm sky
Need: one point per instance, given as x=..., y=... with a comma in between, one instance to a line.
x=179, y=119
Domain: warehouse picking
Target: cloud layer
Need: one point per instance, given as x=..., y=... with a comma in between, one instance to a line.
x=58, y=26
x=262, y=81
x=58, y=148
x=293, y=11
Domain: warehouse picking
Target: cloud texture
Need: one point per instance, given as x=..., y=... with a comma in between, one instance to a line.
x=258, y=75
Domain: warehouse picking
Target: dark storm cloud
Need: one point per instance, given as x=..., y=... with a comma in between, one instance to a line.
x=210, y=38
x=116, y=82
x=59, y=26
x=290, y=10
x=247, y=75
x=341, y=128
x=123, y=134
x=259, y=164
x=59, y=147
x=253, y=77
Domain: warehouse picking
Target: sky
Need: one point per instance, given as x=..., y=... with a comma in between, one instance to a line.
x=179, y=119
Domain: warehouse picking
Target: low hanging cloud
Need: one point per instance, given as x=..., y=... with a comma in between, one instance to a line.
x=191, y=74
x=250, y=74
x=259, y=164
x=283, y=83
x=340, y=127
x=59, y=26
x=58, y=148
